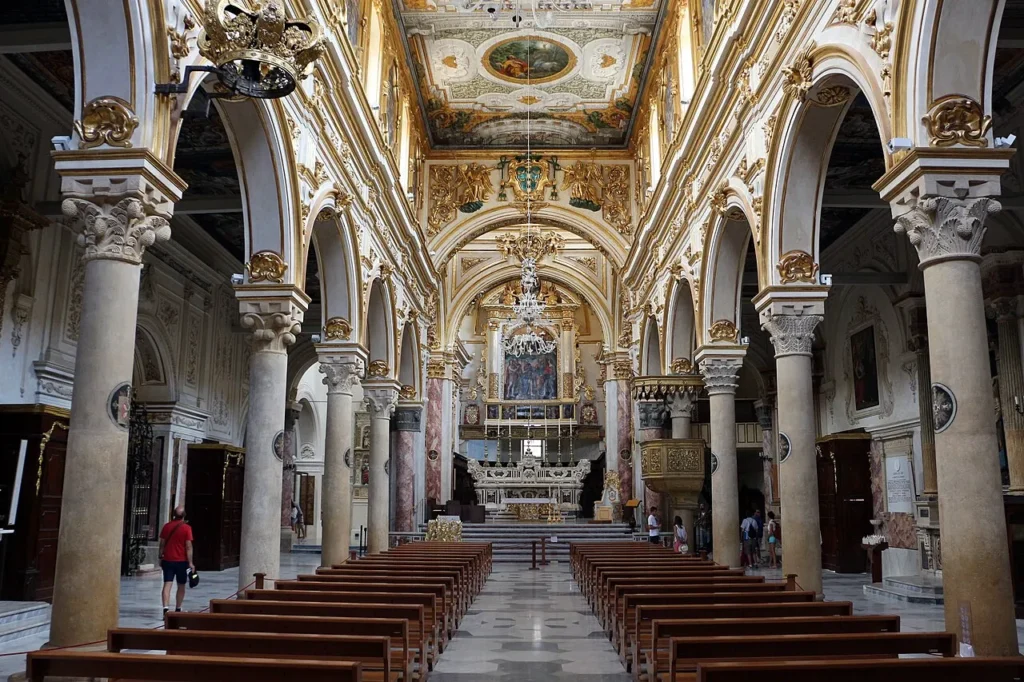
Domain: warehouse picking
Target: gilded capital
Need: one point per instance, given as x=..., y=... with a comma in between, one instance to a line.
x=947, y=228
x=791, y=334
x=115, y=231
x=341, y=377
x=721, y=375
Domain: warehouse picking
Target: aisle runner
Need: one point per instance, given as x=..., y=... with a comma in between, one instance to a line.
x=530, y=625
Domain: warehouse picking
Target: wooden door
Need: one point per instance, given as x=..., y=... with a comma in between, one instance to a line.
x=231, y=513
x=854, y=504
x=307, y=498
x=827, y=509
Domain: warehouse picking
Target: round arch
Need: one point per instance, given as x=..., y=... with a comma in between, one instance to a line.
x=155, y=373
x=650, y=343
x=722, y=274
x=679, y=324
x=379, y=327
x=491, y=277
x=800, y=158
x=336, y=251
x=409, y=358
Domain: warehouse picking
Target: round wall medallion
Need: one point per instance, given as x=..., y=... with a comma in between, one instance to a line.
x=529, y=59
x=626, y=455
x=279, y=446
x=714, y=463
x=785, y=447
x=348, y=457
x=119, y=405
x=943, y=407
x=433, y=455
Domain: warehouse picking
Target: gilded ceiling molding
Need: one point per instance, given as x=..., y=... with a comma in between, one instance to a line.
x=266, y=266
x=530, y=244
x=797, y=76
x=797, y=266
x=724, y=331
x=955, y=119
x=106, y=120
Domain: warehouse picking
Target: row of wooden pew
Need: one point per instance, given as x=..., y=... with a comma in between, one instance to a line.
x=385, y=617
x=675, y=618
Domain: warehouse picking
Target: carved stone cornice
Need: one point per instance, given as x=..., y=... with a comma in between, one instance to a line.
x=380, y=399
x=721, y=374
x=681, y=404
x=946, y=228
x=791, y=334
x=663, y=387
x=341, y=376
x=115, y=231
x=273, y=313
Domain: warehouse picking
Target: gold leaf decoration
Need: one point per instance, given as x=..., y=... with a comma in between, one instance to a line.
x=682, y=366
x=106, y=120
x=378, y=368
x=724, y=330
x=833, y=96
x=266, y=266
x=797, y=76
x=407, y=392
x=957, y=120
x=797, y=266
x=337, y=329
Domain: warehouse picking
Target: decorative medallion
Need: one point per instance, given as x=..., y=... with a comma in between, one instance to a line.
x=797, y=76
x=529, y=244
x=682, y=366
x=714, y=463
x=266, y=266
x=407, y=392
x=378, y=368
x=833, y=96
x=527, y=177
x=588, y=414
x=119, y=405
x=433, y=455
x=943, y=407
x=529, y=59
x=797, y=266
x=348, y=458
x=785, y=447
x=279, y=446
x=337, y=329
x=106, y=120
x=957, y=120
x=626, y=455
x=724, y=330
x=472, y=414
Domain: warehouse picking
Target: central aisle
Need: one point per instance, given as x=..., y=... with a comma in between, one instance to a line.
x=529, y=626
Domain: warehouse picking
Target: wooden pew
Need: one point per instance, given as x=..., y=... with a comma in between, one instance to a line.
x=412, y=613
x=685, y=653
x=101, y=664
x=384, y=574
x=654, y=661
x=875, y=670
x=598, y=571
x=431, y=624
x=615, y=602
x=730, y=610
x=605, y=593
x=601, y=590
x=397, y=629
x=470, y=581
x=372, y=653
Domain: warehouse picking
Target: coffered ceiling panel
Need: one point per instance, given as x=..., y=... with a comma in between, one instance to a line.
x=575, y=74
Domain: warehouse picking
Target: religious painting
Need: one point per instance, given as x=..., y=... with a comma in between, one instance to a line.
x=529, y=59
x=865, y=369
x=531, y=377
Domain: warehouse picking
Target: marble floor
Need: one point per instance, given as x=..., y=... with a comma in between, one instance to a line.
x=525, y=625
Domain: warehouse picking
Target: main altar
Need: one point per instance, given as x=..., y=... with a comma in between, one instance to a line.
x=501, y=487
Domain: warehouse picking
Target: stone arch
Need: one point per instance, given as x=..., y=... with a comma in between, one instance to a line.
x=650, y=359
x=154, y=376
x=679, y=324
x=800, y=159
x=330, y=233
x=723, y=273
x=950, y=51
x=379, y=332
x=409, y=358
x=301, y=356
x=490, y=277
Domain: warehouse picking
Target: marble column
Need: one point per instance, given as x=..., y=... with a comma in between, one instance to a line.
x=291, y=446
x=792, y=335
x=1011, y=386
x=409, y=423
x=274, y=314
x=764, y=411
x=721, y=377
x=380, y=398
x=918, y=332
x=342, y=373
x=435, y=428
x=680, y=407
x=947, y=232
x=623, y=371
x=114, y=231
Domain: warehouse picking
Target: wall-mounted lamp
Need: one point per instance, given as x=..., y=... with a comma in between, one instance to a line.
x=825, y=280
x=745, y=340
x=237, y=278
x=315, y=338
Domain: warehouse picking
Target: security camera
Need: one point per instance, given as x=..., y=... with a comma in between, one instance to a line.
x=61, y=143
x=315, y=338
x=1005, y=142
x=237, y=278
x=900, y=144
x=825, y=280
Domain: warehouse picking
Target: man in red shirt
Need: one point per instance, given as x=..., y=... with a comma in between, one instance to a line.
x=176, y=556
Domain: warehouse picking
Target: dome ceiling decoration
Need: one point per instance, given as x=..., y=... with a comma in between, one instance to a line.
x=480, y=73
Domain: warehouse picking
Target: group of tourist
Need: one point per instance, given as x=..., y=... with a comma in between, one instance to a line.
x=752, y=531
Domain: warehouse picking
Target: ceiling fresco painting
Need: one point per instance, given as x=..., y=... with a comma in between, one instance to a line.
x=577, y=78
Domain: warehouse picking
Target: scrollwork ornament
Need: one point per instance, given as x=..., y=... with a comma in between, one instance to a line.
x=266, y=266
x=378, y=368
x=380, y=402
x=957, y=120
x=721, y=375
x=797, y=266
x=106, y=120
x=724, y=330
x=120, y=231
x=337, y=329
x=946, y=228
x=791, y=334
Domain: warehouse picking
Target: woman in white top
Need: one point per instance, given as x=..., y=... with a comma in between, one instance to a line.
x=679, y=541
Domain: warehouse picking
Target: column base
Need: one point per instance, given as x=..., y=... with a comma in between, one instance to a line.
x=287, y=539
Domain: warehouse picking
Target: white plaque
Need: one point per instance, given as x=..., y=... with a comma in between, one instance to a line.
x=899, y=485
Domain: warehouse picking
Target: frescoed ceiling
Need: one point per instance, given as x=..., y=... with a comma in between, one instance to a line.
x=575, y=74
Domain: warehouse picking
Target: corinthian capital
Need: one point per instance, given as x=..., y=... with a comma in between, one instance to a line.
x=341, y=377
x=380, y=400
x=791, y=334
x=721, y=374
x=946, y=228
x=115, y=231
x=272, y=331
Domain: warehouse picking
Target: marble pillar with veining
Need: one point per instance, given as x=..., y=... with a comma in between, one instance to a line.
x=409, y=423
x=434, y=426
x=624, y=419
x=115, y=232
x=1011, y=386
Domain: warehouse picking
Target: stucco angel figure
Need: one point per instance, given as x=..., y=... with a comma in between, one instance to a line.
x=583, y=180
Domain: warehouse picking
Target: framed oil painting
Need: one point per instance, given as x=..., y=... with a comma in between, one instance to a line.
x=865, y=369
x=529, y=59
x=531, y=377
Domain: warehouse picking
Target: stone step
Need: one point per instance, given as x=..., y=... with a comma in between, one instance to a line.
x=907, y=590
x=23, y=619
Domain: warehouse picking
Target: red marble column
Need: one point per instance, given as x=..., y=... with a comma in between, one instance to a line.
x=625, y=419
x=409, y=424
x=435, y=407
